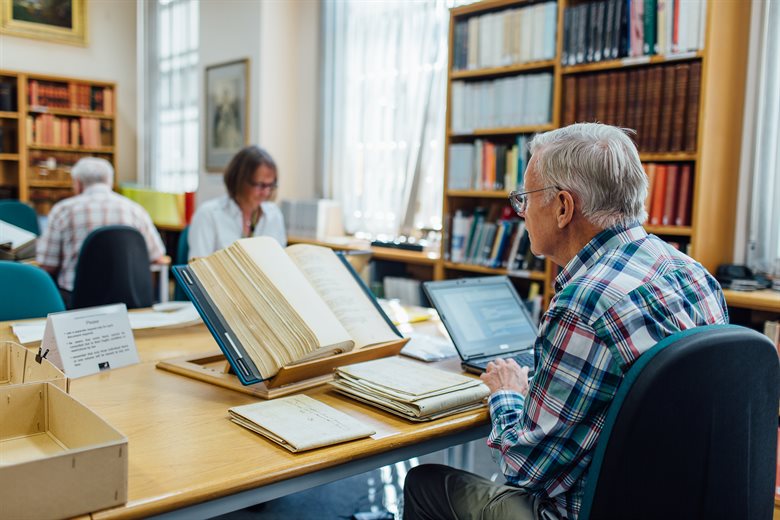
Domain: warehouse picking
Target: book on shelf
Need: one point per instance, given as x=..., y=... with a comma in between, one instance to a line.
x=682, y=213
x=271, y=309
x=16, y=243
x=410, y=389
x=670, y=197
x=659, y=195
x=299, y=422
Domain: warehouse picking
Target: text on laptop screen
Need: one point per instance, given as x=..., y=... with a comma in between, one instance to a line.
x=485, y=318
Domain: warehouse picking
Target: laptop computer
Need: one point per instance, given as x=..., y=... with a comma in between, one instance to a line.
x=486, y=320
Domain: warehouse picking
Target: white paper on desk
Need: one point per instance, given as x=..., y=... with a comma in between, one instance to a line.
x=88, y=341
x=183, y=315
x=186, y=315
x=427, y=347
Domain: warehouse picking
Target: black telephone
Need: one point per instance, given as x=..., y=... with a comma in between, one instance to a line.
x=740, y=277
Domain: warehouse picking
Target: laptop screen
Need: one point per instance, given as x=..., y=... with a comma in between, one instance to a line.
x=484, y=316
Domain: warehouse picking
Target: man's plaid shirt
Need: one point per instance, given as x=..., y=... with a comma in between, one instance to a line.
x=623, y=292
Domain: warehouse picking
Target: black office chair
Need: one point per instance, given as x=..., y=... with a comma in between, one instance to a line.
x=113, y=267
x=692, y=432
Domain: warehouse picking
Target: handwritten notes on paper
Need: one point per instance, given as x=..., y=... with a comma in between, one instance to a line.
x=299, y=422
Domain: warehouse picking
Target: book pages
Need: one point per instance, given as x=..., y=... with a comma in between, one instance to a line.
x=342, y=294
x=268, y=255
x=299, y=422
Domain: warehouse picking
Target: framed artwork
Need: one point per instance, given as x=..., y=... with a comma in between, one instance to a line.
x=63, y=21
x=227, y=106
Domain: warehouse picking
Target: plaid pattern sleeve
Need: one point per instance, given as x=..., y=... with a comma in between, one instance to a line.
x=624, y=292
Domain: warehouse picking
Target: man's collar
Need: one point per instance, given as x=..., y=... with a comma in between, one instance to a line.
x=97, y=188
x=607, y=239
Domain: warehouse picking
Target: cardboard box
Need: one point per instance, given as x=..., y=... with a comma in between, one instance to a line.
x=57, y=458
x=18, y=366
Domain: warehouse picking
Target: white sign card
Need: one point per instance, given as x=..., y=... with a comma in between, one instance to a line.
x=88, y=341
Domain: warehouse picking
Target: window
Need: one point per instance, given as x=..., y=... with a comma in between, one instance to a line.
x=170, y=147
x=758, y=229
x=384, y=109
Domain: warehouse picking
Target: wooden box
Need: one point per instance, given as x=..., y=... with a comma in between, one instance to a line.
x=18, y=365
x=57, y=458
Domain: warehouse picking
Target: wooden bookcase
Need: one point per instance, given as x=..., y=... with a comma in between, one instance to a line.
x=714, y=122
x=55, y=121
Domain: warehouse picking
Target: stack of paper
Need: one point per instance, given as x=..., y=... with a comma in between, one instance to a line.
x=410, y=389
x=15, y=243
x=299, y=422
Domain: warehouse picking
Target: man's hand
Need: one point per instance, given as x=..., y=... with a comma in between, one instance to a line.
x=506, y=374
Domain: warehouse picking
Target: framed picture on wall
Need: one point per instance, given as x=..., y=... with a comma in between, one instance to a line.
x=63, y=21
x=227, y=106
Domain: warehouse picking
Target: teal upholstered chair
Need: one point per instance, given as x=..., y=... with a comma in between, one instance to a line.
x=20, y=215
x=28, y=292
x=692, y=431
x=182, y=252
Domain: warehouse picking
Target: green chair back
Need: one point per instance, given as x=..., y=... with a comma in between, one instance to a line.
x=28, y=292
x=20, y=215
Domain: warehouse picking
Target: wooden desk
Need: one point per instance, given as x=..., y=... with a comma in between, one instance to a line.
x=764, y=300
x=189, y=460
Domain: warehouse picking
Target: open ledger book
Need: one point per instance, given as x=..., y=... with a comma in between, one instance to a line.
x=410, y=389
x=299, y=422
x=16, y=243
x=270, y=308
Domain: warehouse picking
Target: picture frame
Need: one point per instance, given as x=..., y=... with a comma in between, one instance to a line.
x=227, y=109
x=63, y=21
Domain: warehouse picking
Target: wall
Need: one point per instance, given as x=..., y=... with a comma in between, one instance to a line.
x=280, y=38
x=109, y=56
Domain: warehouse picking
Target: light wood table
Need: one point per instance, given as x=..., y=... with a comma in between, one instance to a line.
x=763, y=300
x=187, y=460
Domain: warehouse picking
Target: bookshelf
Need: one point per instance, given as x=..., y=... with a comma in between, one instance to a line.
x=681, y=87
x=53, y=122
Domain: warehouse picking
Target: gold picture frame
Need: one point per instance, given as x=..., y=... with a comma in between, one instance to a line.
x=227, y=112
x=62, y=21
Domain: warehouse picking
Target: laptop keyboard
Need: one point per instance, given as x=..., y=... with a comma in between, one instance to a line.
x=524, y=359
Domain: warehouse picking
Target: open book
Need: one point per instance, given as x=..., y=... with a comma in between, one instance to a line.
x=299, y=422
x=269, y=307
x=16, y=243
x=410, y=389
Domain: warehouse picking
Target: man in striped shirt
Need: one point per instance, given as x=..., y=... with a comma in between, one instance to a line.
x=619, y=292
x=94, y=205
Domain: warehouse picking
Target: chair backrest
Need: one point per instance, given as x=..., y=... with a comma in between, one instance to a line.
x=20, y=215
x=182, y=252
x=113, y=267
x=28, y=292
x=692, y=432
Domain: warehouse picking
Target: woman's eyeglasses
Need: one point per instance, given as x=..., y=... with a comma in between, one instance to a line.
x=519, y=199
x=263, y=185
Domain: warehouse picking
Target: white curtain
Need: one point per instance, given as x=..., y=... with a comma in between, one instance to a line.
x=758, y=231
x=169, y=149
x=384, y=108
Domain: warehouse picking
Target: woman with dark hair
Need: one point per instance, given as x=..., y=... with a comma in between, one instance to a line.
x=246, y=211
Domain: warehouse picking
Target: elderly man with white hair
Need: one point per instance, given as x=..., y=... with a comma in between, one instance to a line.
x=619, y=292
x=94, y=205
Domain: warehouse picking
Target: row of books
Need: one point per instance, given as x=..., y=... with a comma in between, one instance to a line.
x=50, y=130
x=485, y=165
x=611, y=29
x=506, y=37
x=7, y=95
x=670, y=189
x=660, y=102
x=72, y=96
x=506, y=102
x=504, y=243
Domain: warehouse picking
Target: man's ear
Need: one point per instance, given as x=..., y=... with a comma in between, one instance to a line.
x=564, y=208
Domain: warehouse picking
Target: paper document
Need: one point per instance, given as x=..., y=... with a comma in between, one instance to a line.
x=427, y=347
x=299, y=422
x=184, y=316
